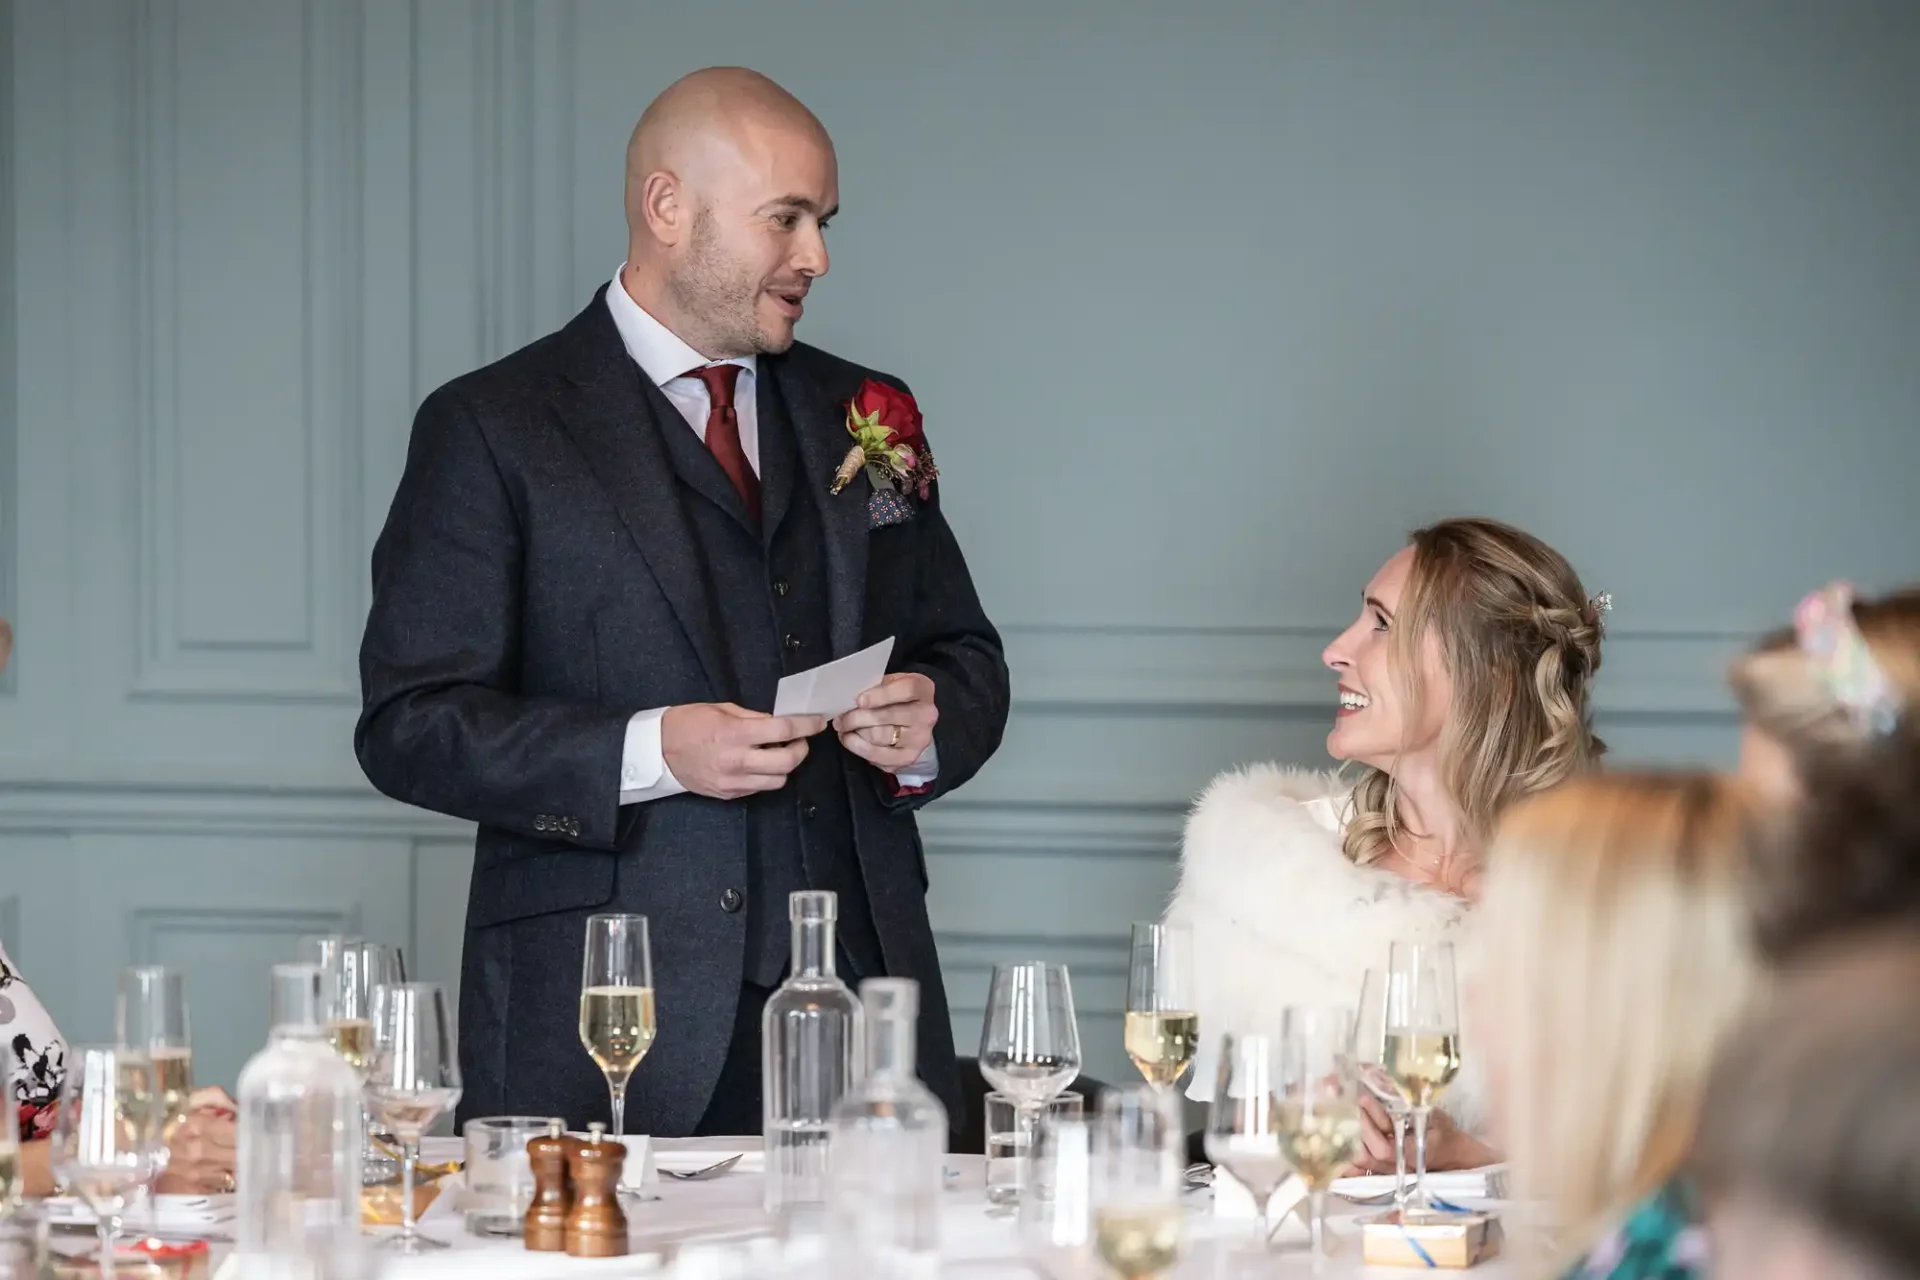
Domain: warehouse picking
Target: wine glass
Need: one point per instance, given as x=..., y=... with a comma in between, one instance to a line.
x=412, y=1078
x=1242, y=1136
x=1422, y=1043
x=1136, y=1178
x=150, y=1019
x=106, y=1143
x=1319, y=1113
x=1030, y=1043
x=1370, y=1063
x=616, y=1002
x=1162, y=1029
x=1056, y=1205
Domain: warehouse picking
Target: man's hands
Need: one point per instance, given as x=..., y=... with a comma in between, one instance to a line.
x=725, y=751
x=893, y=725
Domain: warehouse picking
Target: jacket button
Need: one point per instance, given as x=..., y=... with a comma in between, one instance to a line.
x=730, y=901
x=780, y=586
x=793, y=644
x=809, y=811
x=543, y=823
x=573, y=827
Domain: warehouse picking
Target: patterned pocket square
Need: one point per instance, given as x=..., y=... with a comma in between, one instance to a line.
x=888, y=506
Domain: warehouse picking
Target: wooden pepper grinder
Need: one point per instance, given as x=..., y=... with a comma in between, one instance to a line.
x=546, y=1223
x=596, y=1227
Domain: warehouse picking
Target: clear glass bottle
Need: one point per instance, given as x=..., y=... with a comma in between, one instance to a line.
x=813, y=1051
x=297, y=1173
x=887, y=1160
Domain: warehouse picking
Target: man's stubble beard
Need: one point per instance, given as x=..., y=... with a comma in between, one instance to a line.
x=719, y=295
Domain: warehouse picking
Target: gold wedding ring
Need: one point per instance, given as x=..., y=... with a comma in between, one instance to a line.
x=896, y=738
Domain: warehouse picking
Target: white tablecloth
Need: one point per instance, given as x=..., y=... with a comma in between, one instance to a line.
x=978, y=1241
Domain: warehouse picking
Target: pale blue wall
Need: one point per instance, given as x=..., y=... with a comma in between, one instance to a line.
x=1206, y=303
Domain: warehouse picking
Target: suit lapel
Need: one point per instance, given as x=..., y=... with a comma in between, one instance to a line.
x=778, y=462
x=821, y=439
x=606, y=411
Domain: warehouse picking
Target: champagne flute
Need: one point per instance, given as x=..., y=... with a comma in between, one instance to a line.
x=351, y=970
x=1242, y=1137
x=150, y=1019
x=1319, y=1113
x=1162, y=1029
x=616, y=1002
x=1136, y=1179
x=1030, y=1043
x=1370, y=1062
x=106, y=1143
x=412, y=1078
x=1422, y=1043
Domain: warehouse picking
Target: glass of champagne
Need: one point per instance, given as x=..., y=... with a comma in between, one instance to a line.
x=1242, y=1136
x=1319, y=1112
x=1162, y=1029
x=106, y=1142
x=413, y=1077
x=616, y=1002
x=1136, y=1178
x=1370, y=1063
x=150, y=1019
x=351, y=971
x=1422, y=1042
x=1030, y=1043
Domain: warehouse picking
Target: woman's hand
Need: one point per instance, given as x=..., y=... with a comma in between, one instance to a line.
x=201, y=1155
x=1448, y=1145
x=1375, y=1153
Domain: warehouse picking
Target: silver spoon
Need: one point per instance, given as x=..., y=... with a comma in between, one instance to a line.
x=713, y=1170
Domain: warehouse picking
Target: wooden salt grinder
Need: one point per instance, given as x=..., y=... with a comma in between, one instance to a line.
x=596, y=1228
x=546, y=1223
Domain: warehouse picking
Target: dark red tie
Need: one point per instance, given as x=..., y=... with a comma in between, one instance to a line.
x=723, y=431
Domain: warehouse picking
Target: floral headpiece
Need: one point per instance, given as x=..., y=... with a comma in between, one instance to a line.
x=1828, y=635
x=1598, y=608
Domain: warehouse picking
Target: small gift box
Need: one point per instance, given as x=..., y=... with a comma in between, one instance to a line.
x=1430, y=1240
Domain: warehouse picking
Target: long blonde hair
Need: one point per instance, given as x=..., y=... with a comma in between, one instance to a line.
x=1521, y=641
x=1615, y=951
x=1784, y=693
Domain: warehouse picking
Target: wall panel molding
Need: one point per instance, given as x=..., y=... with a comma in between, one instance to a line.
x=150, y=928
x=1208, y=670
x=9, y=342
x=180, y=658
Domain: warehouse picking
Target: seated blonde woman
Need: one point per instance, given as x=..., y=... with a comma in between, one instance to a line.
x=1837, y=678
x=1462, y=686
x=1615, y=954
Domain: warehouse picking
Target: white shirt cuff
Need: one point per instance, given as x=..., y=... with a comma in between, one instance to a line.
x=643, y=766
x=921, y=772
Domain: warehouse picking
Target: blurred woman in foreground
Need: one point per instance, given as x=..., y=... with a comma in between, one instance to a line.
x=1615, y=954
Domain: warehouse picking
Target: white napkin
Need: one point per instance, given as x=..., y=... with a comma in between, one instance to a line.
x=637, y=1170
x=1486, y=1183
x=169, y=1213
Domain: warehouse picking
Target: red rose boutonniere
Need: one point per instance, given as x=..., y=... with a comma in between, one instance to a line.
x=888, y=441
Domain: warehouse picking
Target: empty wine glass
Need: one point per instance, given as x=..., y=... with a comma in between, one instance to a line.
x=1422, y=1044
x=1319, y=1113
x=1370, y=1062
x=150, y=1019
x=1136, y=1178
x=1242, y=1136
x=1030, y=1042
x=412, y=1079
x=616, y=1002
x=107, y=1142
x=1162, y=1028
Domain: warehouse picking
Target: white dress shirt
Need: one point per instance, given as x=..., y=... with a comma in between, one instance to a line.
x=669, y=363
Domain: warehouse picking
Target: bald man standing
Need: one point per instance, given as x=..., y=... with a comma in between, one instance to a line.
x=605, y=552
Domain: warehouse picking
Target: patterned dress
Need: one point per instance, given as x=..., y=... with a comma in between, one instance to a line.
x=36, y=1057
x=1659, y=1239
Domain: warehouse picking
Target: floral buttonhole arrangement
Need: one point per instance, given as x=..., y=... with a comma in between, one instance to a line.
x=890, y=443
